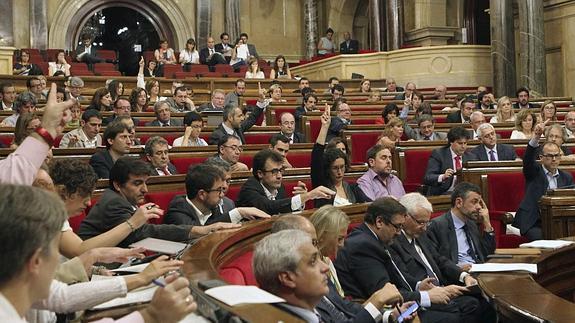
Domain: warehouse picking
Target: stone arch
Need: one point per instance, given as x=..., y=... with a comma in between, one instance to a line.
x=165, y=15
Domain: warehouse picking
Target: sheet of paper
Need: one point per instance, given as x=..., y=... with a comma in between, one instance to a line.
x=159, y=245
x=546, y=244
x=138, y=296
x=135, y=269
x=501, y=267
x=235, y=294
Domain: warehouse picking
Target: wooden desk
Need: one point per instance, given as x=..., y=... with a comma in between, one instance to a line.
x=558, y=213
x=545, y=297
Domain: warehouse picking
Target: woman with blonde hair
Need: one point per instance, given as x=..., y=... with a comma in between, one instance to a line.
x=525, y=121
x=504, y=111
x=254, y=71
x=548, y=111
x=392, y=133
x=330, y=224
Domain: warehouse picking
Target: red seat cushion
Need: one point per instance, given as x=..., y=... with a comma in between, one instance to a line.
x=237, y=268
x=506, y=191
x=360, y=144
x=162, y=199
x=299, y=159
x=415, y=166
x=258, y=138
x=182, y=164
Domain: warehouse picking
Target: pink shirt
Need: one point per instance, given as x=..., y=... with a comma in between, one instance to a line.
x=21, y=166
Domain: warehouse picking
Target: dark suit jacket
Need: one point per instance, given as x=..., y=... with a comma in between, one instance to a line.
x=215, y=59
x=454, y=117
x=439, y=161
x=112, y=209
x=253, y=51
x=354, y=312
x=81, y=48
x=363, y=267
x=208, y=106
x=181, y=212
x=252, y=194
x=336, y=126
x=531, y=105
x=102, y=162
x=171, y=168
x=536, y=184
x=504, y=152
x=442, y=233
x=249, y=122
x=111, y=118
x=446, y=270
x=416, y=135
x=298, y=137
x=352, y=48
x=173, y=123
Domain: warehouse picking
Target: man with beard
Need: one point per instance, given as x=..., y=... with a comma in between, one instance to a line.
x=379, y=181
x=522, y=95
x=457, y=235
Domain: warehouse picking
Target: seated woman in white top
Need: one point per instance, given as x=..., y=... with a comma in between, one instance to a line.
x=525, y=121
x=59, y=65
x=190, y=54
x=325, y=44
x=194, y=123
x=504, y=111
x=254, y=71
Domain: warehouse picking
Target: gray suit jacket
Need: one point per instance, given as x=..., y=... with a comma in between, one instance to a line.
x=416, y=135
x=113, y=209
x=173, y=123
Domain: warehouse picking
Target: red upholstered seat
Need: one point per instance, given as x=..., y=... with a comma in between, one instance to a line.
x=299, y=159
x=415, y=166
x=233, y=192
x=505, y=134
x=182, y=164
x=520, y=151
x=162, y=199
x=258, y=138
x=247, y=159
x=171, y=70
x=76, y=220
x=239, y=270
x=360, y=144
x=6, y=139
x=314, y=127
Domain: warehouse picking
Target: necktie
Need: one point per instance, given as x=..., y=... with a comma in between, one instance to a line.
x=457, y=162
x=471, y=250
x=166, y=171
x=338, y=315
x=165, y=124
x=428, y=270
x=426, y=138
x=492, y=156
x=211, y=51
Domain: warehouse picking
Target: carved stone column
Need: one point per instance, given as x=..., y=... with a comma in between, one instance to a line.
x=6, y=25
x=502, y=47
x=38, y=24
x=203, y=21
x=310, y=19
x=375, y=24
x=232, y=23
x=532, y=68
x=394, y=19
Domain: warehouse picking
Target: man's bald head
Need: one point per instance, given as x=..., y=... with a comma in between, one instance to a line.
x=294, y=222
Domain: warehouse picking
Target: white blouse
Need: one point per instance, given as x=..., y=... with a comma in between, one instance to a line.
x=187, y=57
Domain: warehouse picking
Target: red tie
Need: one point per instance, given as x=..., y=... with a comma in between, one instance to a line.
x=166, y=171
x=457, y=163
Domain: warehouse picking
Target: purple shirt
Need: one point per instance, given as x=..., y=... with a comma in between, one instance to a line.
x=373, y=185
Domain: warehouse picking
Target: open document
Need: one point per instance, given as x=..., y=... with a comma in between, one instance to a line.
x=546, y=244
x=501, y=267
x=235, y=294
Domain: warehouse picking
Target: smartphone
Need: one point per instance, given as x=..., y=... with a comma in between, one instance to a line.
x=473, y=290
x=413, y=308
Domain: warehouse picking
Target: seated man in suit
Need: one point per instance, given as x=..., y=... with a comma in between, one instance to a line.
x=391, y=85
x=205, y=188
x=88, y=135
x=217, y=102
x=287, y=263
x=364, y=265
x=407, y=93
x=251, y=47
x=522, y=95
x=88, y=53
x=457, y=235
x=489, y=149
x=337, y=92
x=476, y=119
x=486, y=101
x=120, y=201
x=302, y=83
x=287, y=128
x=308, y=105
x=230, y=149
x=210, y=56
x=379, y=181
x=463, y=114
x=445, y=163
x=348, y=46
x=416, y=252
x=341, y=121
x=117, y=141
x=235, y=123
x=265, y=190
x=122, y=108
x=163, y=116
x=180, y=102
x=158, y=155
x=233, y=97
x=425, y=130
x=538, y=179
x=280, y=143
x=570, y=124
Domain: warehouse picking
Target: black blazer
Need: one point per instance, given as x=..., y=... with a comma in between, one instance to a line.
x=181, y=212
x=454, y=117
x=112, y=209
x=173, y=123
x=536, y=185
x=363, y=267
x=352, y=48
x=106, y=121
x=102, y=162
x=446, y=270
x=504, y=152
x=441, y=232
x=171, y=168
x=249, y=122
x=252, y=194
x=354, y=312
x=298, y=137
x=439, y=161
x=336, y=126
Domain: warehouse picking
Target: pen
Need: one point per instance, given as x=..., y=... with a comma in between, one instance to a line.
x=158, y=283
x=397, y=308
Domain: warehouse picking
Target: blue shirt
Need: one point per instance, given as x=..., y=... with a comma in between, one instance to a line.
x=463, y=256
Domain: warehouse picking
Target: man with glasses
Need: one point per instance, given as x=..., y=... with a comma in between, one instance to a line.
x=74, y=87
x=457, y=234
x=266, y=192
x=341, y=121
x=164, y=116
x=229, y=149
x=122, y=107
x=364, y=264
x=287, y=128
x=425, y=129
x=538, y=179
x=205, y=188
x=34, y=86
x=217, y=102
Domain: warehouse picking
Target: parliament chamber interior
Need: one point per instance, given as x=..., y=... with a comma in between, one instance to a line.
x=293, y=161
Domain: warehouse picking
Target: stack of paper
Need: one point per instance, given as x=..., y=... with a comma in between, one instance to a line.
x=500, y=267
x=234, y=295
x=159, y=245
x=546, y=244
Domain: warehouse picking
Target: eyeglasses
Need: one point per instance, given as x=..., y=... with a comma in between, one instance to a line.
x=398, y=227
x=234, y=147
x=552, y=156
x=275, y=171
x=196, y=126
x=220, y=190
x=424, y=223
x=338, y=168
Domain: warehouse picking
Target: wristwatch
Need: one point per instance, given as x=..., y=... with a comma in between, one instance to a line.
x=45, y=135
